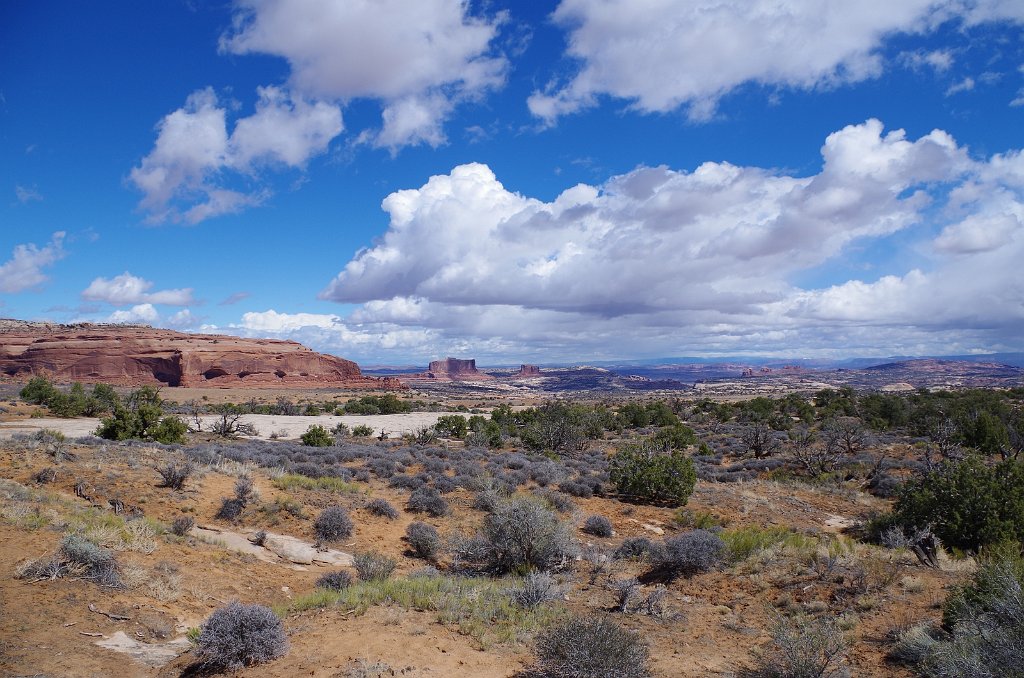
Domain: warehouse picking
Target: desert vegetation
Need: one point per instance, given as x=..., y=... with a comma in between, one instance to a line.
x=807, y=535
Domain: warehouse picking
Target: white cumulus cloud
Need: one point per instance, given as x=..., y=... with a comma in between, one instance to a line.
x=140, y=313
x=666, y=54
x=328, y=332
x=664, y=261
x=24, y=270
x=729, y=231
x=283, y=129
x=418, y=57
x=182, y=176
x=272, y=321
x=129, y=289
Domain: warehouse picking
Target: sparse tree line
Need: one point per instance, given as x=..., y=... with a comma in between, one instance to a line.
x=137, y=416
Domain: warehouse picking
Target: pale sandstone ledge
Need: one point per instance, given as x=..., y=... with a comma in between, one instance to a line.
x=268, y=426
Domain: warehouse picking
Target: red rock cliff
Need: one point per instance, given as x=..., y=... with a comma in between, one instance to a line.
x=139, y=355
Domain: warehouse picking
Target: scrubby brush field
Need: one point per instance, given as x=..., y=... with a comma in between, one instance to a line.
x=512, y=547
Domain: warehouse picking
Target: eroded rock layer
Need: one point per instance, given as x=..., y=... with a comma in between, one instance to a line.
x=136, y=355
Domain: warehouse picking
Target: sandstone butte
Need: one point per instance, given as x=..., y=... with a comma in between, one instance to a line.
x=138, y=355
x=527, y=372
x=453, y=369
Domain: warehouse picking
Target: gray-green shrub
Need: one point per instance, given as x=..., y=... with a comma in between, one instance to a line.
x=518, y=535
x=333, y=524
x=239, y=635
x=599, y=526
x=424, y=540
x=337, y=580
x=584, y=648
x=382, y=508
x=372, y=566
x=691, y=553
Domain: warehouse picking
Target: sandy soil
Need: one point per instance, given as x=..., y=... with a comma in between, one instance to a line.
x=395, y=425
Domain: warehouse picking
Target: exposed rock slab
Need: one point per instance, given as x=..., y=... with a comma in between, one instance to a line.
x=275, y=548
x=150, y=654
x=303, y=553
x=138, y=355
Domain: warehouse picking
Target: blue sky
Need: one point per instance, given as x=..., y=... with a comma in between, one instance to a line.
x=400, y=180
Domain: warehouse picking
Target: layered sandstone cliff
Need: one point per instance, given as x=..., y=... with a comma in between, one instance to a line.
x=136, y=355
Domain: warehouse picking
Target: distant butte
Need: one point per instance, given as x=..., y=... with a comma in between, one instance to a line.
x=138, y=355
x=527, y=372
x=454, y=369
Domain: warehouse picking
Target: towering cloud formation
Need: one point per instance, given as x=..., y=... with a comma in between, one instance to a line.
x=711, y=259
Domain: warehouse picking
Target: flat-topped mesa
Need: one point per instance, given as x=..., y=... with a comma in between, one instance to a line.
x=527, y=372
x=138, y=355
x=453, y=369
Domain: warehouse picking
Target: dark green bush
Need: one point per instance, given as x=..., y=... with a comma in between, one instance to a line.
x=968, y=504
x=382, y=404
x=142, y=417
x=647, y=474
x=73, y=403
x=451, y=426
x=676, y=437
x=317, y=436
x=483, y=432
x=38, y=391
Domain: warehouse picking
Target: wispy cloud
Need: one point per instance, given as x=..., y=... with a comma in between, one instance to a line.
x=26, y=194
